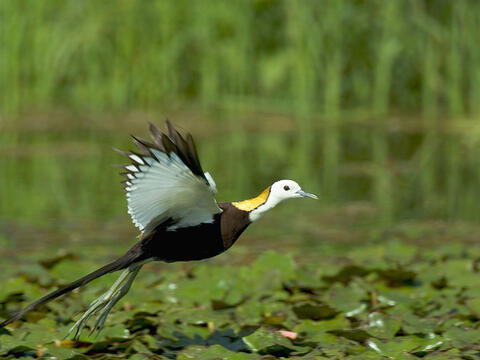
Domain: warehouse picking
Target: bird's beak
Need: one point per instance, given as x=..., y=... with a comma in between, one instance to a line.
x=306, y=194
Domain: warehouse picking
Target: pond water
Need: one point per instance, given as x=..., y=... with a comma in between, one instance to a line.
x=58, y=187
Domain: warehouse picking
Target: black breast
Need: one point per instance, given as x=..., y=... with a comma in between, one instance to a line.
x=196, y=242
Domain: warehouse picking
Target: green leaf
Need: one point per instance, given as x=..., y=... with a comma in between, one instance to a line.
x=382, y=326
x=474, y=306
x=271, y=342
x=358, y=335
x=59, y=352
x=345, y=298
x=315, y=331
x=314, y=311
x=213, y=352
x=462, y=337
x=398, y=347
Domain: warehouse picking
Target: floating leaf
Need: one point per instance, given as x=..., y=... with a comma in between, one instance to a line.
x=398, y=347
x=382, y=326
x=461, y=337
x=474, y=306
x=345, y=298
x=314, y=311
x=317, y=331
x=347, y=273
x=359, y=335
x=59, y=353
x=214, y=352
x=349, y=308
x=266, y=341
x=51, y=262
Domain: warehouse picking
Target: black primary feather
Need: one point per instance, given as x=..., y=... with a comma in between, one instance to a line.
x=172, y=143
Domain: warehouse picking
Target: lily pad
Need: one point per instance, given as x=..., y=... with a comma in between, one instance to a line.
x=382, y=326
x=314, y=311
x=264, y=341
x=395, y=306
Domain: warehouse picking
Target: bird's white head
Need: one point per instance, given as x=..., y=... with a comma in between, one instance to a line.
x=287, y=189
x=272, y=196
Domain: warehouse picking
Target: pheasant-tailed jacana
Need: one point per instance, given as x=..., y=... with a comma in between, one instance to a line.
x=172, y=201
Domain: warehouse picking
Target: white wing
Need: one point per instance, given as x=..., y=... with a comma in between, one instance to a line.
x=162, y=187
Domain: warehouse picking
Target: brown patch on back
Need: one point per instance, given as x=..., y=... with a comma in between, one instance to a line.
x=252, y=204
x=233, y=222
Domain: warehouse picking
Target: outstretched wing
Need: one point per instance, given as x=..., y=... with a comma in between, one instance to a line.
x=165, y=182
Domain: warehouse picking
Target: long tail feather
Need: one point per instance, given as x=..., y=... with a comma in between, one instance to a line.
x=121, y=263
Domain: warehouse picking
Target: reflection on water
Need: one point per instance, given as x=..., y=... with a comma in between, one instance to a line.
x=59, y=187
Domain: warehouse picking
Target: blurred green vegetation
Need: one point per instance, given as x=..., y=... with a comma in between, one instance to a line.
x=357, y=100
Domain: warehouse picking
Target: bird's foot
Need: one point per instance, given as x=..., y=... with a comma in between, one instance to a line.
x=96, y=306
x=102, y=317
x=105, y=303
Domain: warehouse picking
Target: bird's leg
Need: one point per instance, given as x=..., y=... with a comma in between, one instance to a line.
x=116, y=297
x=95, y=306
x=123, y=282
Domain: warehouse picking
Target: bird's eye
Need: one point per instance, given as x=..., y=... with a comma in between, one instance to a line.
x=286, y=188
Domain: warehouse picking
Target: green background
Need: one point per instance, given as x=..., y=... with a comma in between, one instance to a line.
x=357, y=100
x=371, y=104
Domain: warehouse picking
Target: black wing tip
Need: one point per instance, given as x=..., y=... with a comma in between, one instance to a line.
x=170, y=141
x=154, y=130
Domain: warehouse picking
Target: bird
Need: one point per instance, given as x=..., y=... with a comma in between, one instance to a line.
x=171, y=200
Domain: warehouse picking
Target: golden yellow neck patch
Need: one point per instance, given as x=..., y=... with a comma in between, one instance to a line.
x=252, y=204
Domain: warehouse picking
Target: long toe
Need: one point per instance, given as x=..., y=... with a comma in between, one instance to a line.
x=77, y=327
x=94, y=308
x=105, y=303
x=101, y=321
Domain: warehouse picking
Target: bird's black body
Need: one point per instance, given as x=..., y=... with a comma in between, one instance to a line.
x=196, y=242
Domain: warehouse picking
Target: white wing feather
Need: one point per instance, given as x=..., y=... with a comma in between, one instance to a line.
x=163, y=188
